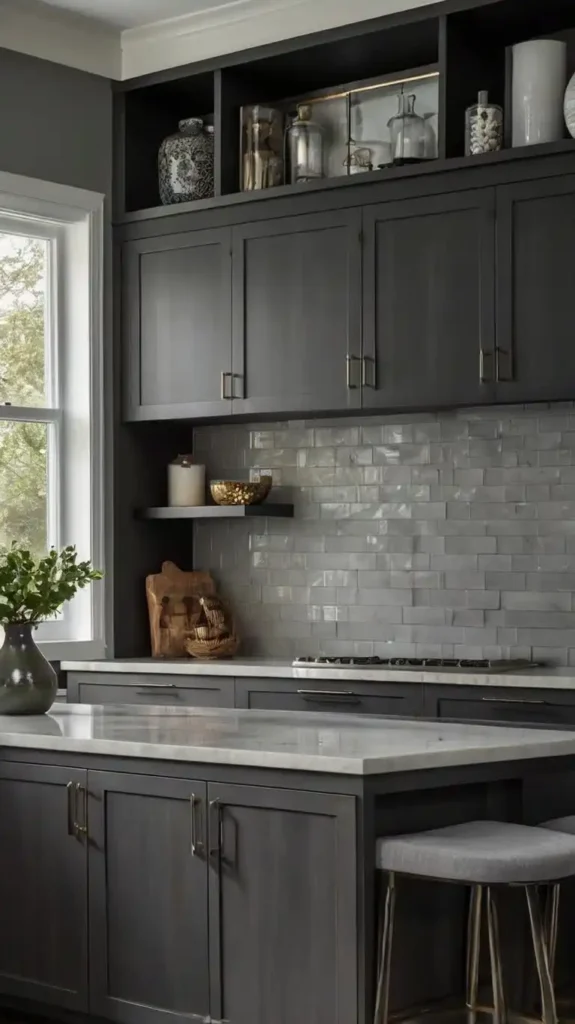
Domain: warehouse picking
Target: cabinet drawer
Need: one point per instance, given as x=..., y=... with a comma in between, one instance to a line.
x=528, y=710
x=203, y=691
x=345, y=698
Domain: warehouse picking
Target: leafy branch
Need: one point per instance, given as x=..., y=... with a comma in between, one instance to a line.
x=33, y=589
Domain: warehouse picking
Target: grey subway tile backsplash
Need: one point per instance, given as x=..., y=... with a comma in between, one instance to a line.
x=423, y=535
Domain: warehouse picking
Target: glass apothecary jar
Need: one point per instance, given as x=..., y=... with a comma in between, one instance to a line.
x=305, y=147
x=408, y=132
x=483, y=127
x=262, y=161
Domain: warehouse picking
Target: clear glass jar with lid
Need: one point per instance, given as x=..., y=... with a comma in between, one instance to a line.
x=483, y=126
x=305, y=147
x=408, y=132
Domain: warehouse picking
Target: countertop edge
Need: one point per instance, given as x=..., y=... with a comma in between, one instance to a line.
x=544, y=679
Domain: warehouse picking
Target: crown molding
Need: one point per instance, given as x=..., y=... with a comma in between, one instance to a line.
x=40, y=30
x=238, y=25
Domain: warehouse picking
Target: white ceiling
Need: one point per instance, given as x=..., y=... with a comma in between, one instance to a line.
x=124, y=14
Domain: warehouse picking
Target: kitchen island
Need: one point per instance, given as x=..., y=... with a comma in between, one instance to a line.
x=167, y=864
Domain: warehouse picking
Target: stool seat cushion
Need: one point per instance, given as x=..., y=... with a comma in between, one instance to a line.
x=561, y=825
x=487, y=852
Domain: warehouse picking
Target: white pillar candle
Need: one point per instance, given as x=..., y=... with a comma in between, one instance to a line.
x=186, y=482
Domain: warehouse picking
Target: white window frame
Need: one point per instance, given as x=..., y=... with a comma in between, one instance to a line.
x=73, y=221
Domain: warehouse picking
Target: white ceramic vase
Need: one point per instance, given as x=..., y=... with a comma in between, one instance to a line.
x=539, y=79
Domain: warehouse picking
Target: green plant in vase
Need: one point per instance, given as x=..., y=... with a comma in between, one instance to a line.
x=31, y=591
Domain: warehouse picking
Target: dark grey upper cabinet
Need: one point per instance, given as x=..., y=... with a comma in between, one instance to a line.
x=428, y=301
x=297, y=314
x=43, y=886
x=148, y=899
x=282, y=906
x=177, y=324
x=535, y=259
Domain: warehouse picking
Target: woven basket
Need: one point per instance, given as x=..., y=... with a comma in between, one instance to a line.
x=212, y=649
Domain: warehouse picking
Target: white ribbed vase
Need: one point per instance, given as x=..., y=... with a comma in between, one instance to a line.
x=539, y=80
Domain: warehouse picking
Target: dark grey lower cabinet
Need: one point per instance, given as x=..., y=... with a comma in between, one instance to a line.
x=344, y=698
x=43, y=886
x=148, y=899
x=282, y=906
x=516, y=707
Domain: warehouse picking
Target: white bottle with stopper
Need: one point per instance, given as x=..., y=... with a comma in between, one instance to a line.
x=186, y=482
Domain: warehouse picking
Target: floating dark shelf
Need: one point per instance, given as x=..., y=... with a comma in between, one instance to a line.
x=389, y=174
x=219, y=512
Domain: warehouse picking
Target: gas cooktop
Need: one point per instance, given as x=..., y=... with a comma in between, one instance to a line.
x=473, y=664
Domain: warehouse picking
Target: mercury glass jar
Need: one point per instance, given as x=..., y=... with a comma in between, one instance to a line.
x=483, y=127
x=305, y=147
x=408, y=132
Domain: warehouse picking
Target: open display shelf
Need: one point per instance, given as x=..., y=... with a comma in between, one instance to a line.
x=266, y=509
x=444, y=59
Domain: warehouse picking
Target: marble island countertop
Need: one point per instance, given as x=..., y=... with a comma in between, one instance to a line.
x=298, y=741
x=278, y=668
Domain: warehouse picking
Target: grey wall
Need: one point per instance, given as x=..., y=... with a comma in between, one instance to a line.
x=447, y=535
x=55, y=122
x=56, y=125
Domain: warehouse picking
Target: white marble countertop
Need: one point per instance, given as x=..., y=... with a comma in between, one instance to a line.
x=298, y=741
x=270, y=668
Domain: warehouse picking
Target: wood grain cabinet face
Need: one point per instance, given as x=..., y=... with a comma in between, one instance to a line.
x=282, y=906
x=177, y=324
x=148, y=899
x=43, y=886
x=428, y=301
x=296, y=313
x=535, y=259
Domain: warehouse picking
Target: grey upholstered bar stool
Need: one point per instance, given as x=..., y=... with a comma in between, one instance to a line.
x=566, y=826
x=482, y=855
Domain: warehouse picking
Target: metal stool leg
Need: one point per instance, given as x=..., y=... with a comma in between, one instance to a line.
x=473, y=951
x=499, y=1007
x=387, y=912
x=548, y=1008
x=552, y=923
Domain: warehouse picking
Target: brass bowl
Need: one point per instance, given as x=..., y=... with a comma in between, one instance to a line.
x=239, y=492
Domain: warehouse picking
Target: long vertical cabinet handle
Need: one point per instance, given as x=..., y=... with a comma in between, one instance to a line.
x=70, y=798
x=215, y=828
x=197, y=846
x=81, y=793
x=368, y=372
x=224, y=394
x=350, y=362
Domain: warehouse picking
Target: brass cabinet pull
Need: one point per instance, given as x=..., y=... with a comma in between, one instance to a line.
x=238, y=392
x=503, y=357
x=349, y=374
x=223, y=389
x=215, y=828
x=81, y=829
x=511, y=700
x=485, y=375
x=367, y=372
x=197, y=847
x=75, y=829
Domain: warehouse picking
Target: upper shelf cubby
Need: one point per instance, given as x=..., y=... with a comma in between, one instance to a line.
x=351, y=77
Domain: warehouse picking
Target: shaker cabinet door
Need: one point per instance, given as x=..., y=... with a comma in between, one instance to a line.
x=428, y=301
x=283, y=928
x=535, y=259
x=44, y=884
x=296, y=314
x=148, y=899
x=177, y=325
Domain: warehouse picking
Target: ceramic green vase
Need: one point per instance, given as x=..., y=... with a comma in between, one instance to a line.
x=28, y=683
